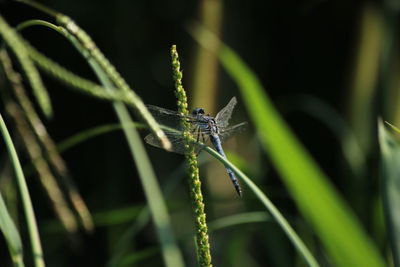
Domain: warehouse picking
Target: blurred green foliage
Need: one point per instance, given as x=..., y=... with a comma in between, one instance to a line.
x=340, y=57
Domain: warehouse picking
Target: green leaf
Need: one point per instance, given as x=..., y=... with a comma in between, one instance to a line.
x=113, y=82
x=241, y=218
x=278, y=217
x=11, y=234
x=16, y=44
x=33, y=232
x=335, y=224
x=390, y=171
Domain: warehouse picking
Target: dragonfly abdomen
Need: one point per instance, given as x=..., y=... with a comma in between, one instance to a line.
x=234, y=181
x=216, y=141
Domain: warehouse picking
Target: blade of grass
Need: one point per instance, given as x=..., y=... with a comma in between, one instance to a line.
x=137, y=257
x=81, y=37
x=171, y=253
x=335, y=224
x=121, y=247
x=45, y=145
x=21, y=117
x=108, y=77
x=74, y=81
x=46, y=177
x=297, y=242
x=91, y=133
x=316, y=197
x=204, y=87
x=390, y=172
x=372, y=48
x=16, y=43
x=170, y=250
x=85, y=45
x=241, y=218
x=11, y=235
x=393, y=127
x=26, y=200
x=224, y=222
x=329, y=117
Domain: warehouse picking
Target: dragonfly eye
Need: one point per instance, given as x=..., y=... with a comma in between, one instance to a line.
x=198, y=111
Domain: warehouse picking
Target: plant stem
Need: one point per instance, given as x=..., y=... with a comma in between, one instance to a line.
x=16, y=44
x=26, y=200
x=203, y=245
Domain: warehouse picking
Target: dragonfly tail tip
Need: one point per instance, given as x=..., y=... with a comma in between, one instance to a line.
x=239, y=192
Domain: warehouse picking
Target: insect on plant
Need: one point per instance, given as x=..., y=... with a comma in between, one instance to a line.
x=204, y=128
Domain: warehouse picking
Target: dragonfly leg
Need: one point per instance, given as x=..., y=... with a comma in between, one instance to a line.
x=198, y=133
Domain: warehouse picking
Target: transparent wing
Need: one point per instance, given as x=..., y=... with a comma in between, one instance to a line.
x=176, y=139
x=168, y=117
x=225, y=114
x=231, y=131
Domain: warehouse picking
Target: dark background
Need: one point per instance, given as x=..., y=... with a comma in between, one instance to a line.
x=297, y=49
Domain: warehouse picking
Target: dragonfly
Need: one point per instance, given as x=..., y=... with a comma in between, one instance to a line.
x=204, y=129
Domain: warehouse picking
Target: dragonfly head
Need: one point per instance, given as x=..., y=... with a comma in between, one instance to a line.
x=198, y=111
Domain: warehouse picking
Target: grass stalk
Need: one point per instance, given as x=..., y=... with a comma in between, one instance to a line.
x=390, y=187
x=344, y=238
x=114, y=84
x=278, y=217
x=202, y=240
x=49, y=148
x=84, y=43
x=11, y=235
x=16, y=43
x=22, y=114
x=90, y=47
x=26, y=200
x=46, y=177
x=170, y=251
x=72, y=80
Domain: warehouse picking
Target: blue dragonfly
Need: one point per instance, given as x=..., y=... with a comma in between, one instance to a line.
x=204, y=128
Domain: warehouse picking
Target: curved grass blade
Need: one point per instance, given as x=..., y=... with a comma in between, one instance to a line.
x=170, y=250
x=85, y=45
x=26, y=200
x=390, y=172
x=393, y=127
x=237, y=219
x=108, y=77
x=36, y=141
x=335, y=224
x=11, y=235
x=315, y=196
x=16, y=43
x=84, y=135
x=326, y=115
x=171, y=253
x=278, y=217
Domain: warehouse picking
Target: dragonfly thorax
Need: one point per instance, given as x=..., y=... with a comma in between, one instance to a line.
x=205, y=122
x=198, y=111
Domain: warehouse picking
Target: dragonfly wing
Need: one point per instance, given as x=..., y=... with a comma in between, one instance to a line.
x=177, y=142
x=175, y=139
x=168, y=117
x=231, y=131
x=163, y=111
x=225, y=114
